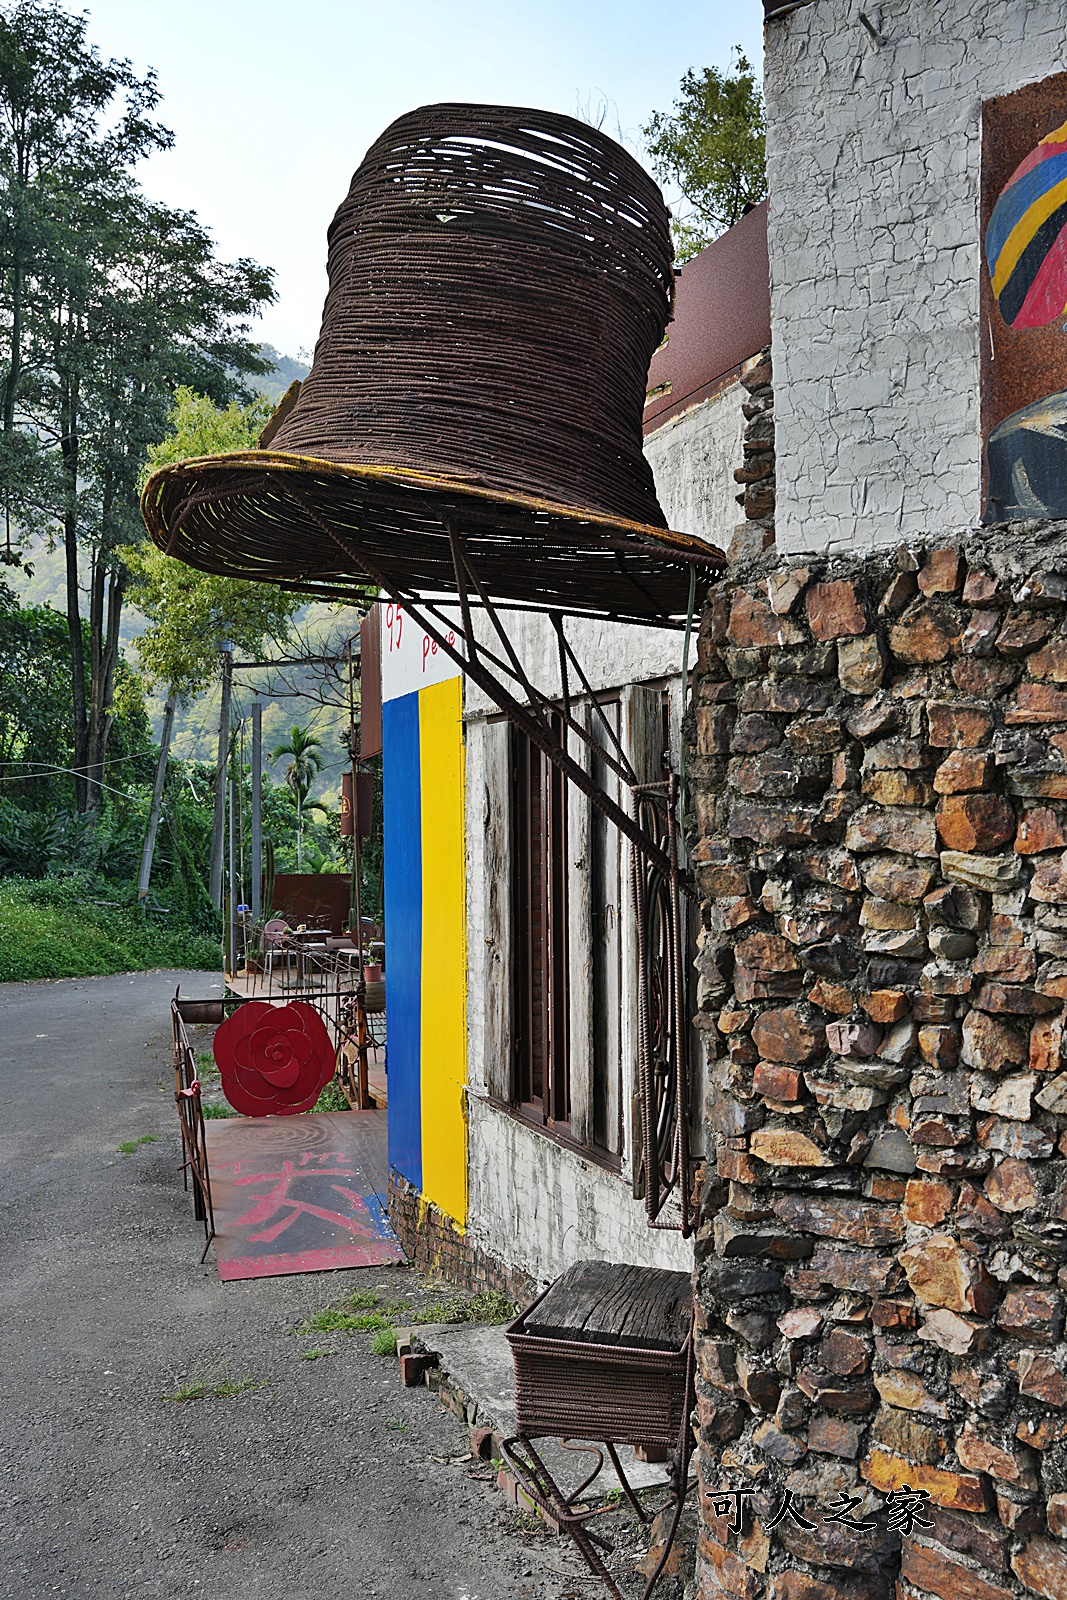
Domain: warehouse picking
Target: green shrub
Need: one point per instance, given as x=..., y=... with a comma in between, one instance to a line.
x=56, y=928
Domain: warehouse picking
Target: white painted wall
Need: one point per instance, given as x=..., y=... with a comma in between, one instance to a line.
x=411, y=660
x=536, y=1204
x=611, y=653
x=693, y=457
x=541, y=1207
x=532, y=1202
x=874, y=165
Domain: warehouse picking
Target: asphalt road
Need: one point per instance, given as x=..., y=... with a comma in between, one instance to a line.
x=319, y=1481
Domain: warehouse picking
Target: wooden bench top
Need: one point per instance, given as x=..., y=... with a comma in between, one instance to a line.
x=604, y=1302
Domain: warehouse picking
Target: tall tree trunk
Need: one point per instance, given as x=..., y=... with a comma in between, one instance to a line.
x=218, y=826
x=14, y=371
x=94, y=796
x=69, y=443
x=77, y=662
x=145, y=875
x=104, y=655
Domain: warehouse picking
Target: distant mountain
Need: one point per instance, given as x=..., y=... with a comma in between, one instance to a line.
x=286, y=369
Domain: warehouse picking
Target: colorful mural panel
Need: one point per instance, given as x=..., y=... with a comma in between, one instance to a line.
x=425, y=913
x=1024, y=302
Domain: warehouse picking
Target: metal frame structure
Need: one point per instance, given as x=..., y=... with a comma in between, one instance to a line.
x=191, y=1110
x=652, y=829
x=662, y=1023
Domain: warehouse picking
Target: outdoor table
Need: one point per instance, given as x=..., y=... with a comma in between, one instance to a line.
x=604, y=1354
x=307, y=942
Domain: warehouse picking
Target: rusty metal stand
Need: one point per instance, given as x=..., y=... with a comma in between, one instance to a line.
x=571, y=1516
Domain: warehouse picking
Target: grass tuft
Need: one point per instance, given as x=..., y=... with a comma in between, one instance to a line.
x=331, y=1320
x=489, y=1305
x=213, y=1387
x=128, y=1146
x=384, y=1342
x=206, y=1070
x=362, y=1312
x=362, y=1299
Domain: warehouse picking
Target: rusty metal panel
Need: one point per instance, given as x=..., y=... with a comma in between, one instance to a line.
x=318, y=899
x=300, y=1194
x=722, y=316
x=370, y=684
x=345, y=824
x=1024, y=302
x=364, y=804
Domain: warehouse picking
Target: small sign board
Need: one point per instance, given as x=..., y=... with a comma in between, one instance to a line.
x=411, y=660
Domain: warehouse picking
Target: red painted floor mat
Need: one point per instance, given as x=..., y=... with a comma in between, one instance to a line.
x=299, y=1194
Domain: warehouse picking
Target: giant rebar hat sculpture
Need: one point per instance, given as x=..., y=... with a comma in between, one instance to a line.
x=499, y=279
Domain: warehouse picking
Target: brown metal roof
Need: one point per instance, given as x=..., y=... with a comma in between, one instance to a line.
x=722, y=316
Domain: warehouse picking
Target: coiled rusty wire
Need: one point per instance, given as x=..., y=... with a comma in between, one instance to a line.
x=499, y=279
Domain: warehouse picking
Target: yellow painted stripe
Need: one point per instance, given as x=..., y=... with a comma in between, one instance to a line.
x=1057, y=136
x=1024, y=231
x=444, y=950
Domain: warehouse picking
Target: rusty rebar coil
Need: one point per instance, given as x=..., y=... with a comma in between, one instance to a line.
x=499, y=279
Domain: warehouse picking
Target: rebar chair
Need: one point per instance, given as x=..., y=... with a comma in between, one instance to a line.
x=604, y=1357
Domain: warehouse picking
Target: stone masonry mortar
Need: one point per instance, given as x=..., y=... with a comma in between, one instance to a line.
x=878, y=826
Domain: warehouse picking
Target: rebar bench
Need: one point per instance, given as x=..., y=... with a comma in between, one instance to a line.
x=605, y=1355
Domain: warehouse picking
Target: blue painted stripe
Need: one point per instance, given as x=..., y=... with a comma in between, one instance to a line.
x=1016, y=201
x=402, y=830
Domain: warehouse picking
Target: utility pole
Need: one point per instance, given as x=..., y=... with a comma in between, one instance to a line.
x=218, y=827
x=257, y=810
x=231, y=898
x=145, y=874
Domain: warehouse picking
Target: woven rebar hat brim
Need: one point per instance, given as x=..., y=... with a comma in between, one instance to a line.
x=328, y=529
x=499, y=280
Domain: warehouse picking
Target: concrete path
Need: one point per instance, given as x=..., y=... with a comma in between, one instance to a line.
x=320, y=1482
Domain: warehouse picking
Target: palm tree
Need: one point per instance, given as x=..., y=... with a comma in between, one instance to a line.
x=304, y=749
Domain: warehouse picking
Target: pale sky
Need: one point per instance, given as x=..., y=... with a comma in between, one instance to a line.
x=273, y=102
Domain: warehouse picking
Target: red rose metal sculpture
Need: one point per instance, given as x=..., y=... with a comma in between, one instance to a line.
x=274, y=1060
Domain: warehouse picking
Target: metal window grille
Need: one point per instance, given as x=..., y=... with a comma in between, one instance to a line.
x=540, y=935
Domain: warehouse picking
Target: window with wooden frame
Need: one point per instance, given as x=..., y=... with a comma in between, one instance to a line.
x=604, y=1131
x=564, y=975
x=540, y=990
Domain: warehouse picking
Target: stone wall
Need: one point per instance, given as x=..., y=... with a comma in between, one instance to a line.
x=873, y=164
x=879, y=834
